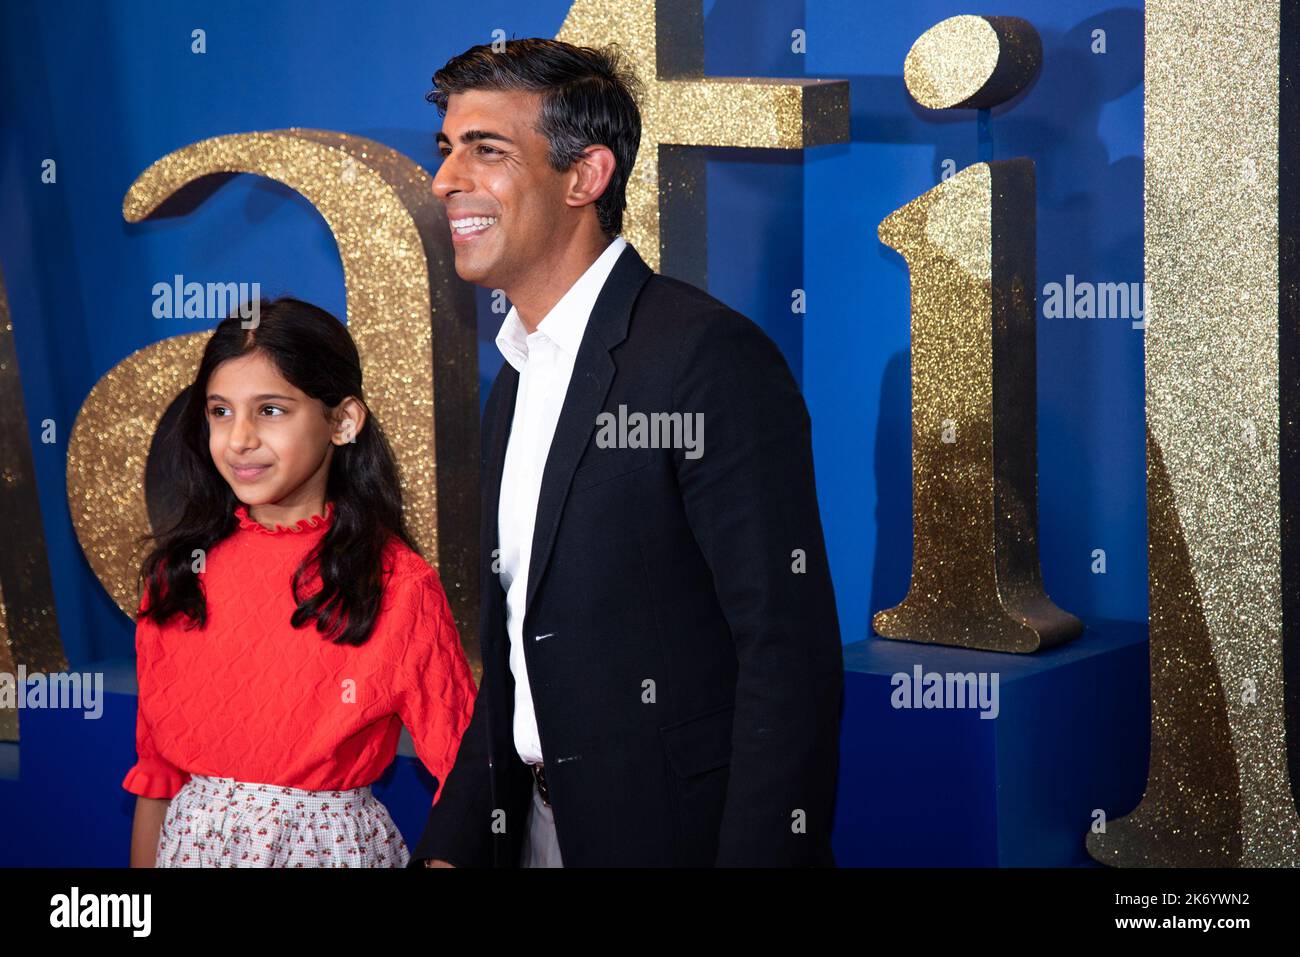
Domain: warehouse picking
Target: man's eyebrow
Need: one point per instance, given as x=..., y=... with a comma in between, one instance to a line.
x=469, y=136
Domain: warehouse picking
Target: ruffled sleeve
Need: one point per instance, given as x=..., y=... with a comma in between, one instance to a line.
x=152, y=776
x=437, y=694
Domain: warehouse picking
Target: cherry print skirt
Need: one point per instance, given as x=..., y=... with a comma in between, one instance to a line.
x=221, y=822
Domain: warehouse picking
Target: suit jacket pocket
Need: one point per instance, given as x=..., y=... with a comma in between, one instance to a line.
x=701, y=743
x=610, y=464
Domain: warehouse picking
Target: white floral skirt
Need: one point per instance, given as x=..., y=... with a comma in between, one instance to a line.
x=221, y=822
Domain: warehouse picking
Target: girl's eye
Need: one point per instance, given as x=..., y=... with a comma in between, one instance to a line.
x=278, y=410
x=216, y=410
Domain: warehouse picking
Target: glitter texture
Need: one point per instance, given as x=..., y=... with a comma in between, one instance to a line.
x=664, y=45
x=976, y=579
x=971, y=61
x=107, y=452
x=403, y=296
x=29, y=631
x=8, y=716
x=1218, y=791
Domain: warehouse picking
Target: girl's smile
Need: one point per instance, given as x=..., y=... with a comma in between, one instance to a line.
x=249, y=473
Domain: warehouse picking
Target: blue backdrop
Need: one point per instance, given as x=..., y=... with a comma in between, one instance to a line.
x=104, y=90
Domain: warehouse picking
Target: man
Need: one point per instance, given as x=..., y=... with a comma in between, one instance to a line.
x=662, y=667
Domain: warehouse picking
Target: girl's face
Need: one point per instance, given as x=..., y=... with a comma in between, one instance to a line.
x=269, y=440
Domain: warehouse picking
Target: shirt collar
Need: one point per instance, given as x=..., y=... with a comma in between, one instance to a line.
x=567, y=321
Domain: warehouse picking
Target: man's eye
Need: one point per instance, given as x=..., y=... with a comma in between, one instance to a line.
x=488, y=149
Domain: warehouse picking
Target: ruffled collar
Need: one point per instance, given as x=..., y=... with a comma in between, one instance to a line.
x=251, y=524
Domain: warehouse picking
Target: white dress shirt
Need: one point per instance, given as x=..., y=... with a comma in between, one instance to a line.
x=544, y=360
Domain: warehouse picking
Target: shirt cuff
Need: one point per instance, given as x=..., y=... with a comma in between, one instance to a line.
x=154, y=779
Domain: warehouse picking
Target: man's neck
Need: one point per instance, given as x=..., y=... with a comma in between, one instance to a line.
x=537, y=296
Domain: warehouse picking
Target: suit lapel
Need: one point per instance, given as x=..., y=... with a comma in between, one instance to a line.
x=503, y=418
x=593, y=372
x=500, y=417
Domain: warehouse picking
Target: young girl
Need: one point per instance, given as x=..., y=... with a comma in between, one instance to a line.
x=288, y=627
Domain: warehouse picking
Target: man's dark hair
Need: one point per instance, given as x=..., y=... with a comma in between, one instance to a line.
x=589, y=96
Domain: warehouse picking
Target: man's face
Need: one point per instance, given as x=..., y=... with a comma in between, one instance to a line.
x=504, y=201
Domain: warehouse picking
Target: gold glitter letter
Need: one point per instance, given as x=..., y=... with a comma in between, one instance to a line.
x=402, y=295
x=976, y=582
x=970, y=61
x=1223, y=439
x=29, y=632
x=663, y=41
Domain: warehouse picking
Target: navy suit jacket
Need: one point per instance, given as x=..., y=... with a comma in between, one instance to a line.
x=680, y=631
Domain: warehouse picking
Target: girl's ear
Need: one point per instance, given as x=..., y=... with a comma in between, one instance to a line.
x=349, y=420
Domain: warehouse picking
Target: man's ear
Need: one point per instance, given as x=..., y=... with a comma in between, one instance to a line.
x=349, y=419
x=593, y=171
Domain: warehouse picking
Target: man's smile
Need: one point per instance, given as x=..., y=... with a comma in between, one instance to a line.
x=471, y=226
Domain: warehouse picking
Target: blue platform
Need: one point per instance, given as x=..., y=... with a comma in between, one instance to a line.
x=917, y=788
x=945, y=787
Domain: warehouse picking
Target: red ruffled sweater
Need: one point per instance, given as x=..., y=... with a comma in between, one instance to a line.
x=252, y=698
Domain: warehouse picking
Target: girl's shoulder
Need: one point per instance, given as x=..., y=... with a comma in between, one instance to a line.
x=415, y=604
x=406, y=568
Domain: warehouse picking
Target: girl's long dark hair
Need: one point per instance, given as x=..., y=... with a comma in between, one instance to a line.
x=314, y=351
